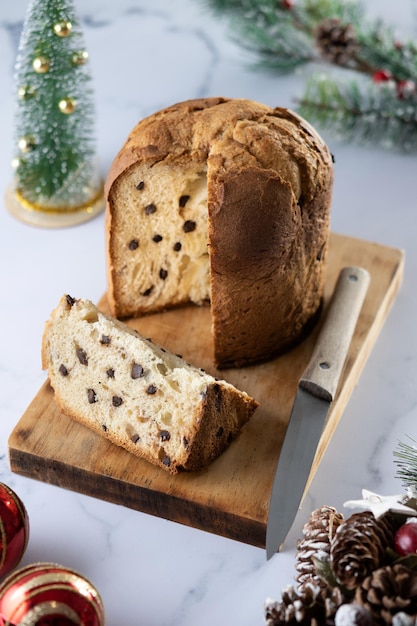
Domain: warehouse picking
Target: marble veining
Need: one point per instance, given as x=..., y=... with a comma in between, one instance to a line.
x=151, y=571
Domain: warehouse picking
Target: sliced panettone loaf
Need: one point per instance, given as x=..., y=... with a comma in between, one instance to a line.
x=135, y=393
x=225, y=202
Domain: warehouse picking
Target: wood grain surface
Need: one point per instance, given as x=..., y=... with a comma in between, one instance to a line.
x=231, y=496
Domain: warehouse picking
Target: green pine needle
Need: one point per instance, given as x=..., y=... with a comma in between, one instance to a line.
x=362, y=111
x=406, y=460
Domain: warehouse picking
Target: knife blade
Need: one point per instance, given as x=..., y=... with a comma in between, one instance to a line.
x=316, y=390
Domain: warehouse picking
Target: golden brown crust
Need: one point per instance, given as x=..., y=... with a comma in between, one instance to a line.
x=269, y=183
x=184, y=423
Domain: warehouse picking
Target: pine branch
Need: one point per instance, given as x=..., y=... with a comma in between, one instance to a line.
x=276, y=35
x=379, y=49
x=367, y=113
x=282, y=35
x=320, y=10
x=285, y=34
x=406, y=460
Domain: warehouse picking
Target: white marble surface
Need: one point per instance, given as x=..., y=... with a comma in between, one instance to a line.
x=150, y=571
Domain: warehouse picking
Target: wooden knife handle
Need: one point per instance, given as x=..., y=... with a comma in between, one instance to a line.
x=322, y=374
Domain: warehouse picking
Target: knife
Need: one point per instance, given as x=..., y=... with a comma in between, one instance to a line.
x=315, y=393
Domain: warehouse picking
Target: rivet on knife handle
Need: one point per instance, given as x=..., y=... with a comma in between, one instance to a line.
x=323, y=371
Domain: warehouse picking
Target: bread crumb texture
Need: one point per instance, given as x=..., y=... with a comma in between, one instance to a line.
x=135, y=393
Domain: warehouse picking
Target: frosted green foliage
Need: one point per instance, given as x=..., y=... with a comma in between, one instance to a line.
x=406, y=460
x=55, y=150
x=379, y=107
x=282, y=37
x=362, y=111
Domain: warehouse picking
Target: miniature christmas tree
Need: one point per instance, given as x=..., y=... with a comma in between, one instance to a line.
x=56, y=172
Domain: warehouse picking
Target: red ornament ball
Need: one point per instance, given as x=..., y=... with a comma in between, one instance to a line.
x=405, y=539
x=14, y=530
x=46, y=594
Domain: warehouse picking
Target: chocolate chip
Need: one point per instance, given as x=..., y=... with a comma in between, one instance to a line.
x=147, y=291
x=92, y=396
x=104, y=427
x=133, y=244
x=189, y=226
x=82, y=356
x=151, y=390
x=320, y=254
x=165, y=435
x=105, y=340
x=157, y=238
x=166, y=461
x=63, y=370
x=177, y=246
x=140, y=185
x=218, y=399
x=163, y=273
x=110, y=372
x=135, y=438
x=70, y=300
x=116, y=401
x=137, y=371
x=149, y=209
x=183, y=201
x=220, y=432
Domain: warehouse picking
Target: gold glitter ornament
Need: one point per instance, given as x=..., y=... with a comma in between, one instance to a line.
x=25, y=92
x=67, y=105
x=41, y=65
x=80, y=57
x=63, y=29
x=26, y=144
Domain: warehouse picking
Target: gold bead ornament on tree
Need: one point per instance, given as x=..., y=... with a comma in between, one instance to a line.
x=25, y=92
x=26, y=144
x=67, y=105
x=41, y=65
x=57, y=181
x=80, y=57
x=63, y=29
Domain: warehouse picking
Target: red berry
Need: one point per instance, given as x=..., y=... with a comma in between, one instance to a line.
x=381, y=76
x=405, y=539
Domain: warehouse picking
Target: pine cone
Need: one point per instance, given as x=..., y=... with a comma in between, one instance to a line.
x=313, y=606
x=359, y=547
x=336, y=42
x=387, y=591
x=318, y=533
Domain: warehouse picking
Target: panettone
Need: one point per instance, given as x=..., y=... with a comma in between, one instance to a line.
x=226, y=203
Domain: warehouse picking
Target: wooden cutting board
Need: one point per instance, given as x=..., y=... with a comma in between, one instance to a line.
x=231, y=496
